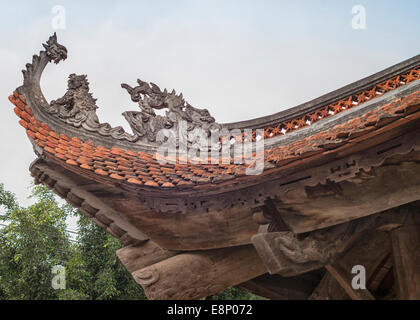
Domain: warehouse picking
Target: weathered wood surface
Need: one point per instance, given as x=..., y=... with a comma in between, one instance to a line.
x=135, y=257
x=301, y=209
x=192, y=231
x=384, y=188
x=406, y=252
x=233, y=226
x=329, y=289
x=369, y=252
x=288, y=254
x=77, y=191
x=276, y=287
x=196, y=275
x=383, y=272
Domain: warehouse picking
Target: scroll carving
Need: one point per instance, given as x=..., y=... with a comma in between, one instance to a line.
x=146, y=277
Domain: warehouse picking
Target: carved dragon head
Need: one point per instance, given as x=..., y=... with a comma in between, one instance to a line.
x=77, y=81
x=152, y=96
x=55, y=51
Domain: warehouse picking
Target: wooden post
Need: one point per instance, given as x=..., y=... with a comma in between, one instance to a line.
x=406, y=251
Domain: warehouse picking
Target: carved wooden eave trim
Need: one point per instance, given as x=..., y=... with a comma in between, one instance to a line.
x=88, y=204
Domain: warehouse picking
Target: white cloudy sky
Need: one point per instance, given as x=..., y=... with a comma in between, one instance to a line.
x=239, y=59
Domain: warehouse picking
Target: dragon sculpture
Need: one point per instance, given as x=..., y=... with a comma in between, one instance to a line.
x=78, y=107
x=149, y=97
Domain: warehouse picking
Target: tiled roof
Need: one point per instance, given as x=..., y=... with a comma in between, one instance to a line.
x=143, y=169
x=343, y=104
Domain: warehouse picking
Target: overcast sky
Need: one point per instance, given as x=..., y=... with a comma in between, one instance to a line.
x=239, y=59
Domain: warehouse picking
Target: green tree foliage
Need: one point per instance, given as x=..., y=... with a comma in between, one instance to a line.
x=96, y=270
x=234, y=294
x=34, y=240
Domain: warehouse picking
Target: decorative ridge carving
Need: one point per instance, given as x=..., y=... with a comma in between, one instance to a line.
x=146, y=123
x=54, y=52
x=149, y=97
x=78, y=108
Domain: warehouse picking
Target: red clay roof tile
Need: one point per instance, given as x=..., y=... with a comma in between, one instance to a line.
x=135, y=181
x=86, y=166
x=72, y=162
x=101, y=172
x=151, y=183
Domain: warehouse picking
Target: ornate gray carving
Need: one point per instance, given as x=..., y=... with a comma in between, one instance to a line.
x=146, y=123
x=55, y=51
x=78, y=108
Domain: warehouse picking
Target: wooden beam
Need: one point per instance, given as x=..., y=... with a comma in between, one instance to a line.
x=135, y=257
x=406, y=252
x=199, y=274
x=380, y=274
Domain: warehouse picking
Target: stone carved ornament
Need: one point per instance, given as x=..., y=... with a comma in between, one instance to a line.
x=55, y=51
x=78, y=107
x=150, y=97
